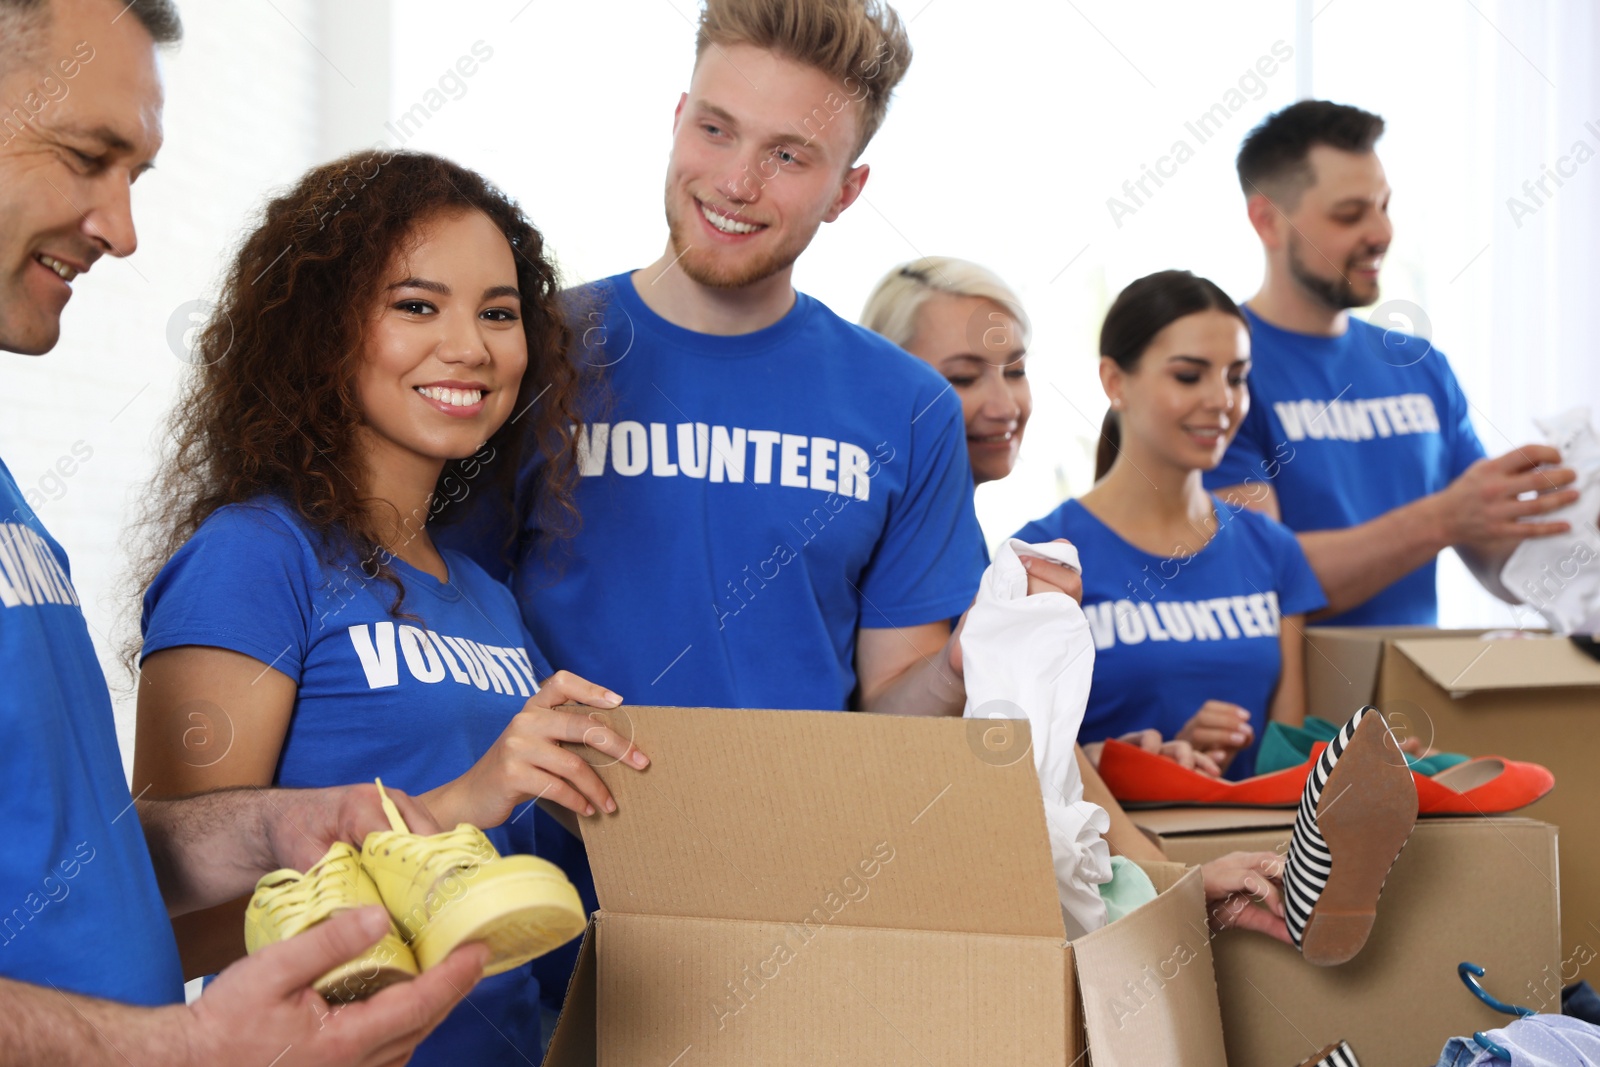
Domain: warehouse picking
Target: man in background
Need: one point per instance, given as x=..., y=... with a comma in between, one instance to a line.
x=1358, y=438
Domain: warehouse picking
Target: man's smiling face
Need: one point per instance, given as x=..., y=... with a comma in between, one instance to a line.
x=66, y=172
x=761, y=156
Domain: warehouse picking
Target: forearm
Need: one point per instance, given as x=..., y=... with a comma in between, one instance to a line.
x=1359, y=562
x=447, y=803
x=928, y=687
x=1289, y=698
x=211, y=848
x=41, y=1025
x=1486, y=561
x=1288, y=708
x=210, y=939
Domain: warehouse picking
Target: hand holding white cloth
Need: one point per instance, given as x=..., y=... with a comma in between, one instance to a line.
x=1560, y=575
x=1033, y=657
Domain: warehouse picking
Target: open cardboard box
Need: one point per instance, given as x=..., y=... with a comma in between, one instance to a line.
x=791, y=888
x=1533, y=698
x=1465, y=889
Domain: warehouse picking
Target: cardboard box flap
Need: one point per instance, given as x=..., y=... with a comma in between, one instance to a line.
x=832, y=817
x=1469, y=665
x=1149, y=987
x=574, y=1043
x=1343, y=663
x=1165, y=821
x=1163, y=875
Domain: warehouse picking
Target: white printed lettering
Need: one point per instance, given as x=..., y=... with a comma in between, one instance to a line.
x=421, y=660
x=629, y=453
x=794, y=457
x=660, y=466
x=727, y=454
x=375, y=648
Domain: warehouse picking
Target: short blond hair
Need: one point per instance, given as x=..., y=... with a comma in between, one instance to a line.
x=893, y=307
x=861, y=44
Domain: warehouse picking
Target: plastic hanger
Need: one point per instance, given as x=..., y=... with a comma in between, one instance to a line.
x=1470, y=973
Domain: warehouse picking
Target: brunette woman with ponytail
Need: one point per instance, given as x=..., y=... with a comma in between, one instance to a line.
x=1196, y=606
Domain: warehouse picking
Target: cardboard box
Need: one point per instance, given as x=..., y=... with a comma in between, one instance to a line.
x=1479, y=890
x=797, y=888
x=1533, y=698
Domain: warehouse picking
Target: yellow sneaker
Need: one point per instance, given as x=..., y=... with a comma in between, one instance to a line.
x=453, y=887
x=287, y=903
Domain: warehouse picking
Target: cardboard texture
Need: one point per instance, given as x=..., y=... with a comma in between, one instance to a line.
x=815, y=887
x=1527, y=698
x=1479, y=890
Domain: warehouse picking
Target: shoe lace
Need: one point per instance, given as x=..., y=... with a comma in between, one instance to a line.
x=463, y=847
x=327, y=887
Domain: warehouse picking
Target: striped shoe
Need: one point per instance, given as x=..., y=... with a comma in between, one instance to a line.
x=1337, y=1055
x=1356, y=814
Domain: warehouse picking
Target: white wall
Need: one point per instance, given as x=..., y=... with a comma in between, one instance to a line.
x=242, y=116
x=1019, y=120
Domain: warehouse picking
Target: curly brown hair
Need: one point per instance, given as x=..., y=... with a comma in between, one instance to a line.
x=272, y=408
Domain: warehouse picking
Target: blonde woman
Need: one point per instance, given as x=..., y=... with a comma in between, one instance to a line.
x=970, y=326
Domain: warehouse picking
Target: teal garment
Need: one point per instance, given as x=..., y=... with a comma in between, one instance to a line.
x=1129, y=888
x=1289, y=746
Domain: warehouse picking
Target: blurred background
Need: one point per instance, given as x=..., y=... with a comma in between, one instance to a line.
x=1019, y=123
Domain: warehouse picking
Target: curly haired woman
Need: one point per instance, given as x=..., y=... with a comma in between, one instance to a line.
x=385, y=338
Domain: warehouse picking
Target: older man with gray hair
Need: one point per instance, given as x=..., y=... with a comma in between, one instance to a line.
x=90, y=969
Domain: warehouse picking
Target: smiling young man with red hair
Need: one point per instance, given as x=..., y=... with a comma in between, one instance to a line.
x=776, y=503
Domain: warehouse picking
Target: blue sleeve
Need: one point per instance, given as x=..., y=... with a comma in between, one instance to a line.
x=239, y=583
x=1299, y=591
x=1455, y=422
x=1246, y=458
x=925, y=568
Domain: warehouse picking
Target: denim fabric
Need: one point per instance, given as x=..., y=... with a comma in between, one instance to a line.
x=1537, y=1041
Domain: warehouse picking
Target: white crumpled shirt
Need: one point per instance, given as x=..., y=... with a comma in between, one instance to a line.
x=1560, y=576
x=1033, y=657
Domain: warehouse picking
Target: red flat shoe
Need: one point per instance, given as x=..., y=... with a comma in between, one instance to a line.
x=1485, y=786
x=1144, y=779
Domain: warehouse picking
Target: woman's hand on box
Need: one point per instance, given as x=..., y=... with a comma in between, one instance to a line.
x=528, y=760
x=1244, y=892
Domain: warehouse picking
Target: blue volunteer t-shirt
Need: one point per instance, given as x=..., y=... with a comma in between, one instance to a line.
x=1347, y=428
x=747, y=503
x=414, y=700
x=1173, y=633
x=83, y=912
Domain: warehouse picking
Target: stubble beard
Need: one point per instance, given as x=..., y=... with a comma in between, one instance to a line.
x=1338, y=294
x=704, y=268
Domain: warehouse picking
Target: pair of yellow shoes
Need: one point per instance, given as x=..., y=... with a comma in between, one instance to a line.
x=441, y=891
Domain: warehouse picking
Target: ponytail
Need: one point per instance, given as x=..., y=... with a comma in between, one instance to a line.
x=1105, y=453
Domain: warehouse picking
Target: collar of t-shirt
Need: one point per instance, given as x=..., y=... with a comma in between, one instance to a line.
x=639, y=318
